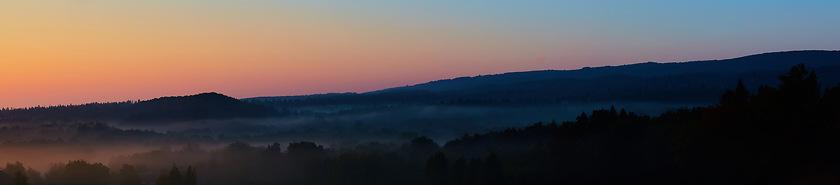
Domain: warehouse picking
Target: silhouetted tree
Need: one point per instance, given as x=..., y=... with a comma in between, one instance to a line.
x=56, y=173
x=352, y=168
x=799, y=84
x=175, y=177
x=303, y=148
x=162, y=179
x=436, y=169
x=738, y=97
x=82, y=172
x=190, y=176
x=472, y=171
x=420, y=148
x=129, y=176
x=11, y=168
x=456, y=174
x=534, y=172
x=274, y=148
x=34, y=176
x=20, y=179
x=492, y=172
x=622, y=114
x=582, y=118
x=238, y=146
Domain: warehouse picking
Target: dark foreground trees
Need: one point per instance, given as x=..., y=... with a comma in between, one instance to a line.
x=175, y=177
x=79, y=172
x=128, y=176
x=437, y=169
x=788, y=134
x=20, y=179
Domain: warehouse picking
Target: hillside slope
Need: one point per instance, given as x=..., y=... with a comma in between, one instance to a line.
x=176, y=108
x=766, y=61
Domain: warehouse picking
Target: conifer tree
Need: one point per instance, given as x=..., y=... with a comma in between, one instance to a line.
x=492, y=172
x=20, y=179
x=436, y=169
x=190, y=177
x=175, y=176
x=456, y=174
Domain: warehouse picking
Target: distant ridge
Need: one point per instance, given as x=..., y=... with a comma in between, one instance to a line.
x=209, y=105
x=758, y=62
x=200, y=106
x=680, y=82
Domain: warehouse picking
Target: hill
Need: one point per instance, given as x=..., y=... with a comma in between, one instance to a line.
x=695, y=83
x=698, y=81
x=766, y=61
x=176, y=108
x=199, y=106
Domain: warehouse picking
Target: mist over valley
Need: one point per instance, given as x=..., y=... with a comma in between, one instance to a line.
x=500, y=118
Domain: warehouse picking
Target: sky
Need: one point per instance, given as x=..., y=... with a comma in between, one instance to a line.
x=81, y=51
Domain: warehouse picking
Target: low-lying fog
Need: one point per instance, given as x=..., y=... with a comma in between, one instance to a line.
x=37, y=145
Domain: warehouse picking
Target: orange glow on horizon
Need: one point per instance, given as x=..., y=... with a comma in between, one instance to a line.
x=63, y=52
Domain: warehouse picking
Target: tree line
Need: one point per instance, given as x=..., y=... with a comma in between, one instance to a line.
x=787, y=134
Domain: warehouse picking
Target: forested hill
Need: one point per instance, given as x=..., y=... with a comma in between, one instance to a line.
x=767, y=61
x=700, y=88
x=783, y=134
x=200, y=106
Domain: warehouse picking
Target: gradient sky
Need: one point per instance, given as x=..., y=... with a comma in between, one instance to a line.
x=79, y=51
